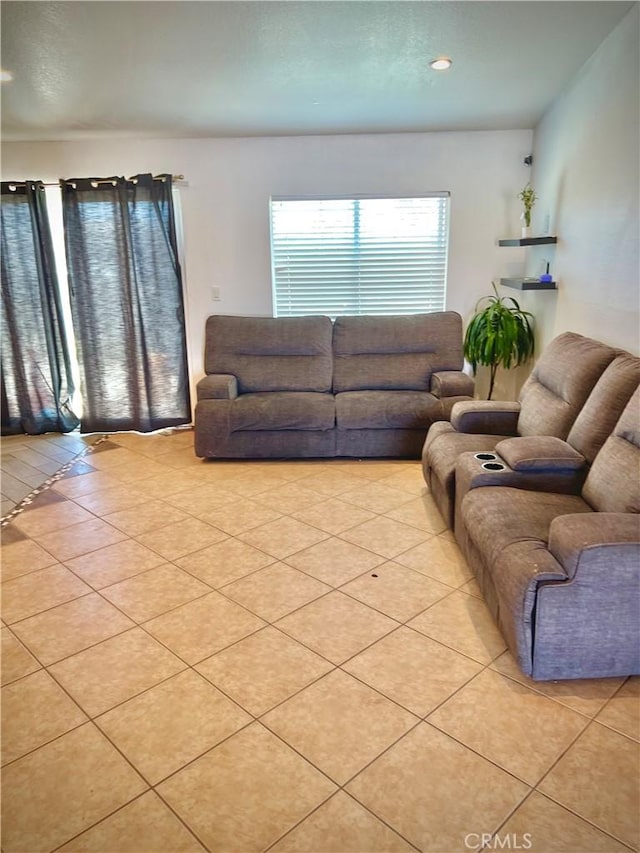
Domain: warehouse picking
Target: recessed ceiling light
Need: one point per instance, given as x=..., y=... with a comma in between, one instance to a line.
x=6, y=76
x=441, y=64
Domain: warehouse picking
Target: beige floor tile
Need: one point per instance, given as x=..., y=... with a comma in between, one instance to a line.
x=545, y=827
x=142, y=470
x=247, y=792
x=274, y=591
x=38, y=591
x=462, y=622
x=283, y=537
x=441, y=791
x=15, y=660
x=472, y=587
x=20, y=558
x=339, y=724
x=336, y=626
x=114, y=563
x=623, y=711
x=420, y=512
x=333, y=515
x=109, y=460
x=598, y=778
x=154, y=515
x=413, y=670
x=54, y=516
x=332, y=483
x=182, y=538
x=171, y=483
x=204, y=626
x=111, y=499
x=514, y=727
x=203, y=498
x=438, y=559
x=224, y=562
x=75, y=781
x=335, y=561
x=385, y=536
x=396, y=591
x=287, y=498
x=84, y=484
x=343, y=826
x=168, y=726
x=71, y=627
x=410, y=480
x=154, y=592
x=239, y=516
x=263, y=670
x=377, y=469
x=35, y=711
x=375, y=497
x=145, y=825
x=587, y=696
x=252, y=485
x=115, y=670
x=80, y=539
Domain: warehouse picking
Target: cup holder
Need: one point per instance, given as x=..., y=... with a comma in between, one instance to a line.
x=493, y=466
x=485, y=456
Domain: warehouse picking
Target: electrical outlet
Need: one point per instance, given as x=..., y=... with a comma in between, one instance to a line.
x=215, y=294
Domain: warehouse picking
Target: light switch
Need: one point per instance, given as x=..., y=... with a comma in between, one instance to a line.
x=215, y=294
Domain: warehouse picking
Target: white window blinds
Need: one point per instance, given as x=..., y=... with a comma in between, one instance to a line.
x=359, y=255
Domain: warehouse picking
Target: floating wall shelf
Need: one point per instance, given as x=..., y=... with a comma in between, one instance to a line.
x=528, y=284
x=528, y=241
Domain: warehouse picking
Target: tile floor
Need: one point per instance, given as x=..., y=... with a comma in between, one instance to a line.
x=284, y=656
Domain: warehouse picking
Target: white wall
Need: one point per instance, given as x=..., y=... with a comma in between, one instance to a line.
x=585, y=171
x=225, y=206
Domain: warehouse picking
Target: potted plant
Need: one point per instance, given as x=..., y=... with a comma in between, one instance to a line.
x=528, y=198
x=501, y=334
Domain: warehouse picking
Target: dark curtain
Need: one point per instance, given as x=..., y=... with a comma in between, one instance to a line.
x=37, y=382
x=126, y=302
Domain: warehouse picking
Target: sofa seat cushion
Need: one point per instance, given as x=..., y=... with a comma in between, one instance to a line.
x=386, y=409
x=497, y=517
x=273, y=410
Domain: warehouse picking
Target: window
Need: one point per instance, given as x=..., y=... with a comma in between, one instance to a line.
x=364, y=255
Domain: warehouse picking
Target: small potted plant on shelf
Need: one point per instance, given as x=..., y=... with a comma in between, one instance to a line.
x=500, y=334
x=528, y=198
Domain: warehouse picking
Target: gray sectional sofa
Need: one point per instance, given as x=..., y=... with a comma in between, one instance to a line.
x=546, y=509
x=309, y=387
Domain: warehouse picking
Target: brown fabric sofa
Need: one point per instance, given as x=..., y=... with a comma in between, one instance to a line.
x=551, y=403
x=560, y=572
x=307, y=387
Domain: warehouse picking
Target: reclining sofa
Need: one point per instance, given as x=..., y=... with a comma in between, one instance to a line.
x=551, y=525
x=309, y=387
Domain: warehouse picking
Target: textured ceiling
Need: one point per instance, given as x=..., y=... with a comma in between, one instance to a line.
x=193, y=69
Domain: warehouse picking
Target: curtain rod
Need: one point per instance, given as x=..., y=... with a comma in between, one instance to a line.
x=107, y=181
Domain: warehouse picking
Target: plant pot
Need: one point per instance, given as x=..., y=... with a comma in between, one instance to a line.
x=526, y=231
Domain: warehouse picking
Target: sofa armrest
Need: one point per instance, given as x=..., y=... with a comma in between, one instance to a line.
x=579, y=539
x=217, y=386
x=486, y=416
x=451, y=383
x=544, y=453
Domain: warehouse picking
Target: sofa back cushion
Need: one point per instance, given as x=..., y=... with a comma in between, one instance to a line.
x=613, y=483
x=271, y=353
x=605, y=404
x=560, y=383
x=395, y=352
